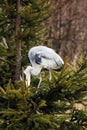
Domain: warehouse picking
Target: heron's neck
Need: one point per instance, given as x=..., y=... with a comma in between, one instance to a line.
x=36, y=70
x=27, y=81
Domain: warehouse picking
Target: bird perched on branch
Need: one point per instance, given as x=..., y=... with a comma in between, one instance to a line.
x=42, y=57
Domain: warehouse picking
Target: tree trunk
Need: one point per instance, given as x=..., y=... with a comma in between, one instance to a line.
x=68, y=28
x=18, y=41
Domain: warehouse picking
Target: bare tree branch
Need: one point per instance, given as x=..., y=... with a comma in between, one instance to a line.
x=6, y=61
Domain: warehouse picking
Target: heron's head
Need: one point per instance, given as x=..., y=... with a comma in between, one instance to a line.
x=60, y=64
x=60, y=67
x=27, y=73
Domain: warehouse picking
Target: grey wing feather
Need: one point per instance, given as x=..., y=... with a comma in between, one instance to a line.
x=38, y=58
x=51, y=58
x=47, y=58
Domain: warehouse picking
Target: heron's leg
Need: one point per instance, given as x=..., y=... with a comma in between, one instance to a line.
x=50, y=75
x=40, y=80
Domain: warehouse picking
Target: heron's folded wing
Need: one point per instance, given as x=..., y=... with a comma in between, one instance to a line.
x=45, y=54
x=40, y=55
x=49, y=58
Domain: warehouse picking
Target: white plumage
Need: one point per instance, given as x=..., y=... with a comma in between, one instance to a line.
x=42, y=57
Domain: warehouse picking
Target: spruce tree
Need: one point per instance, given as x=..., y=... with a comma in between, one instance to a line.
x=53, y=106
x=23, y=26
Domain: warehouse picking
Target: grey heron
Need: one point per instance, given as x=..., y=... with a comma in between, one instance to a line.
x=42, y=57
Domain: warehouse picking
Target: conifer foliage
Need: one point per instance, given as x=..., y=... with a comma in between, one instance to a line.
x=53, y=106
x=22, y=24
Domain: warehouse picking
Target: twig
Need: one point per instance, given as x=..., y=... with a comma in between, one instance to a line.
x=6, y=61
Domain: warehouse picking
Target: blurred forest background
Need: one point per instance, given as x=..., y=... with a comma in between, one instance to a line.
x=68, y=29
x=61, y=25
